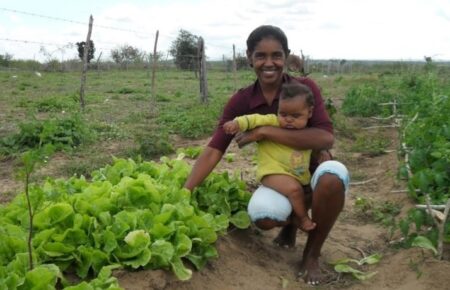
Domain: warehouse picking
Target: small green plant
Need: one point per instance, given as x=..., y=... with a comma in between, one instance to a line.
x=30, y=159
x=416, y=230
x=371, y=146
x=55, y=104
x=63, y=133
x=126, y=91
x=191, y=152
x=229, y=157
x=153, y=144
x=383, y=212
x=192, y=121
x=341, y=266
x=364, y=100
x=330, y=107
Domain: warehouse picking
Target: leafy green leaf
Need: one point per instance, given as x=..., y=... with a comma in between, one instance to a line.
x=240, y=219
x=425, y=243
x=180, y=270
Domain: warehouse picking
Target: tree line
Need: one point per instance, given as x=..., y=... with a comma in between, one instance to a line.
x=183, y=50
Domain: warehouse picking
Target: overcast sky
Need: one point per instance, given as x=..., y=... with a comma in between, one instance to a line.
x=322, y=29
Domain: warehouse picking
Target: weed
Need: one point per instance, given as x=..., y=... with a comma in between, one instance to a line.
x=371, y=146
x=364, y=100
x=64, y=133
x=151, y=144
x=383, y=212
x=126, y=91
x=191, y=152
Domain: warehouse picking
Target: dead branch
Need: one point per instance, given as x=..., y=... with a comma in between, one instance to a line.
x=382, y=126
x=363, y=182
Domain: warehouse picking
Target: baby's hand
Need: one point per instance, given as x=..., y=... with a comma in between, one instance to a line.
x=231, y=127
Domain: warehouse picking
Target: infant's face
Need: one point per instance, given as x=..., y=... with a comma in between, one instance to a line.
x=293, y=113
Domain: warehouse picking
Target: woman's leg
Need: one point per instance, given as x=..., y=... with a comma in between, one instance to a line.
x=329, y=183
x=292, y=189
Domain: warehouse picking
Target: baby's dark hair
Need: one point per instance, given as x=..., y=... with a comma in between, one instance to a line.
x=265, y=31
x=294, y=89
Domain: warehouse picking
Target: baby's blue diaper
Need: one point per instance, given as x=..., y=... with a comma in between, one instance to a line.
x=267, y=203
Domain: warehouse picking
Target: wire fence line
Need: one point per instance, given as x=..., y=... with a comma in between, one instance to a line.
x=326, y=67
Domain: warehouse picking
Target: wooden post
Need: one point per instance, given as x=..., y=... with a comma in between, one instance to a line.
x=98, y=63
x=202, y=66
x=234, y=68
x=85, y=63
x=153, y=97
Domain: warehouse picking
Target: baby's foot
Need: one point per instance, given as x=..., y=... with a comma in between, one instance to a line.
x=306, y=224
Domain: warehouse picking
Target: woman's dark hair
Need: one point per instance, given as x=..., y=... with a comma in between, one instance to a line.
x=265, y=31
x=294, y=89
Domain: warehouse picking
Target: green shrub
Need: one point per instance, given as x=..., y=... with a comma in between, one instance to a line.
x=192, y=121
x=55, y=104
x=364, y=100
x=152, y=144
x=62, y=133
x=428, y=137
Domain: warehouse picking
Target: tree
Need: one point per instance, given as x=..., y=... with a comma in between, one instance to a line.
x=184, y=50
x=80, y=47
x=5, y=59
x=127, y=54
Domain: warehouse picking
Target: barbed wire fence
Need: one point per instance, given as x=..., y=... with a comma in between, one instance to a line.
x=146, y=60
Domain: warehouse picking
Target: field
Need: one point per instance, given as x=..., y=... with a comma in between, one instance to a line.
x=123, y=120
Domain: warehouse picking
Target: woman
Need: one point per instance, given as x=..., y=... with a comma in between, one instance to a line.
x=267, y=50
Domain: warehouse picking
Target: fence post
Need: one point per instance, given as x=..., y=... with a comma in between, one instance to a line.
x=202, y=67
x=153, y=108
x=234, y=68
x=85, y=63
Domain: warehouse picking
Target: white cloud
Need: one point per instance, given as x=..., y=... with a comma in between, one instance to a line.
x=349, y=29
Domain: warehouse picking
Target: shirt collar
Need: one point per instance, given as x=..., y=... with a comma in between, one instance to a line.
x=257, y=98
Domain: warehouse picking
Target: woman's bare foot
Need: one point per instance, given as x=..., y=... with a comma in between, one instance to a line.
x=310, y=271
x=287, y=236
x=306, y=224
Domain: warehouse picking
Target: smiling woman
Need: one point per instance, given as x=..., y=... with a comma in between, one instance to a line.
x=267, y=50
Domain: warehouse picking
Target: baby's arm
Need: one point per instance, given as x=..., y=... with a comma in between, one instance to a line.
x=249, y=122
x=231, y=127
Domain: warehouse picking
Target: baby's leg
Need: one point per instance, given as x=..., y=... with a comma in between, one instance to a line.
x=292, y=189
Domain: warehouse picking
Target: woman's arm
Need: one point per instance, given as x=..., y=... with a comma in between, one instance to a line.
x=203, y=167
x=308, y=138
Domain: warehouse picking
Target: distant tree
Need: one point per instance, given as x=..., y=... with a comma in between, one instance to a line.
x=127, y=54
x=241, y=62
x=5, y=59
x=80, y=47
x=159, y=56
x=184, y=50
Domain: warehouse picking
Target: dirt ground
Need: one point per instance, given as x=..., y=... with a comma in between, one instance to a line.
x=248, y=260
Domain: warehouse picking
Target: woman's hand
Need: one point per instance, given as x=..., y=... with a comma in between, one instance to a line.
x=248, y=137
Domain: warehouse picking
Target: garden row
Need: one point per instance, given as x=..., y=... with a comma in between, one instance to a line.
x=131, y=214
x=418, y=104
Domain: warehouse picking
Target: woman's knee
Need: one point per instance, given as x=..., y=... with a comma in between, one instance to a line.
x=332, y=176
x=331, y=182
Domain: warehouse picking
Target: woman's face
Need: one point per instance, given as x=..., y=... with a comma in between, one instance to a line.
x=268, y=60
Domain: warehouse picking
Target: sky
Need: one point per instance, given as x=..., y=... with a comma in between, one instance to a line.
x=321, y=29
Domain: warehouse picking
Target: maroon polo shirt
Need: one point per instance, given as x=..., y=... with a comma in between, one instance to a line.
x=250, y=100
